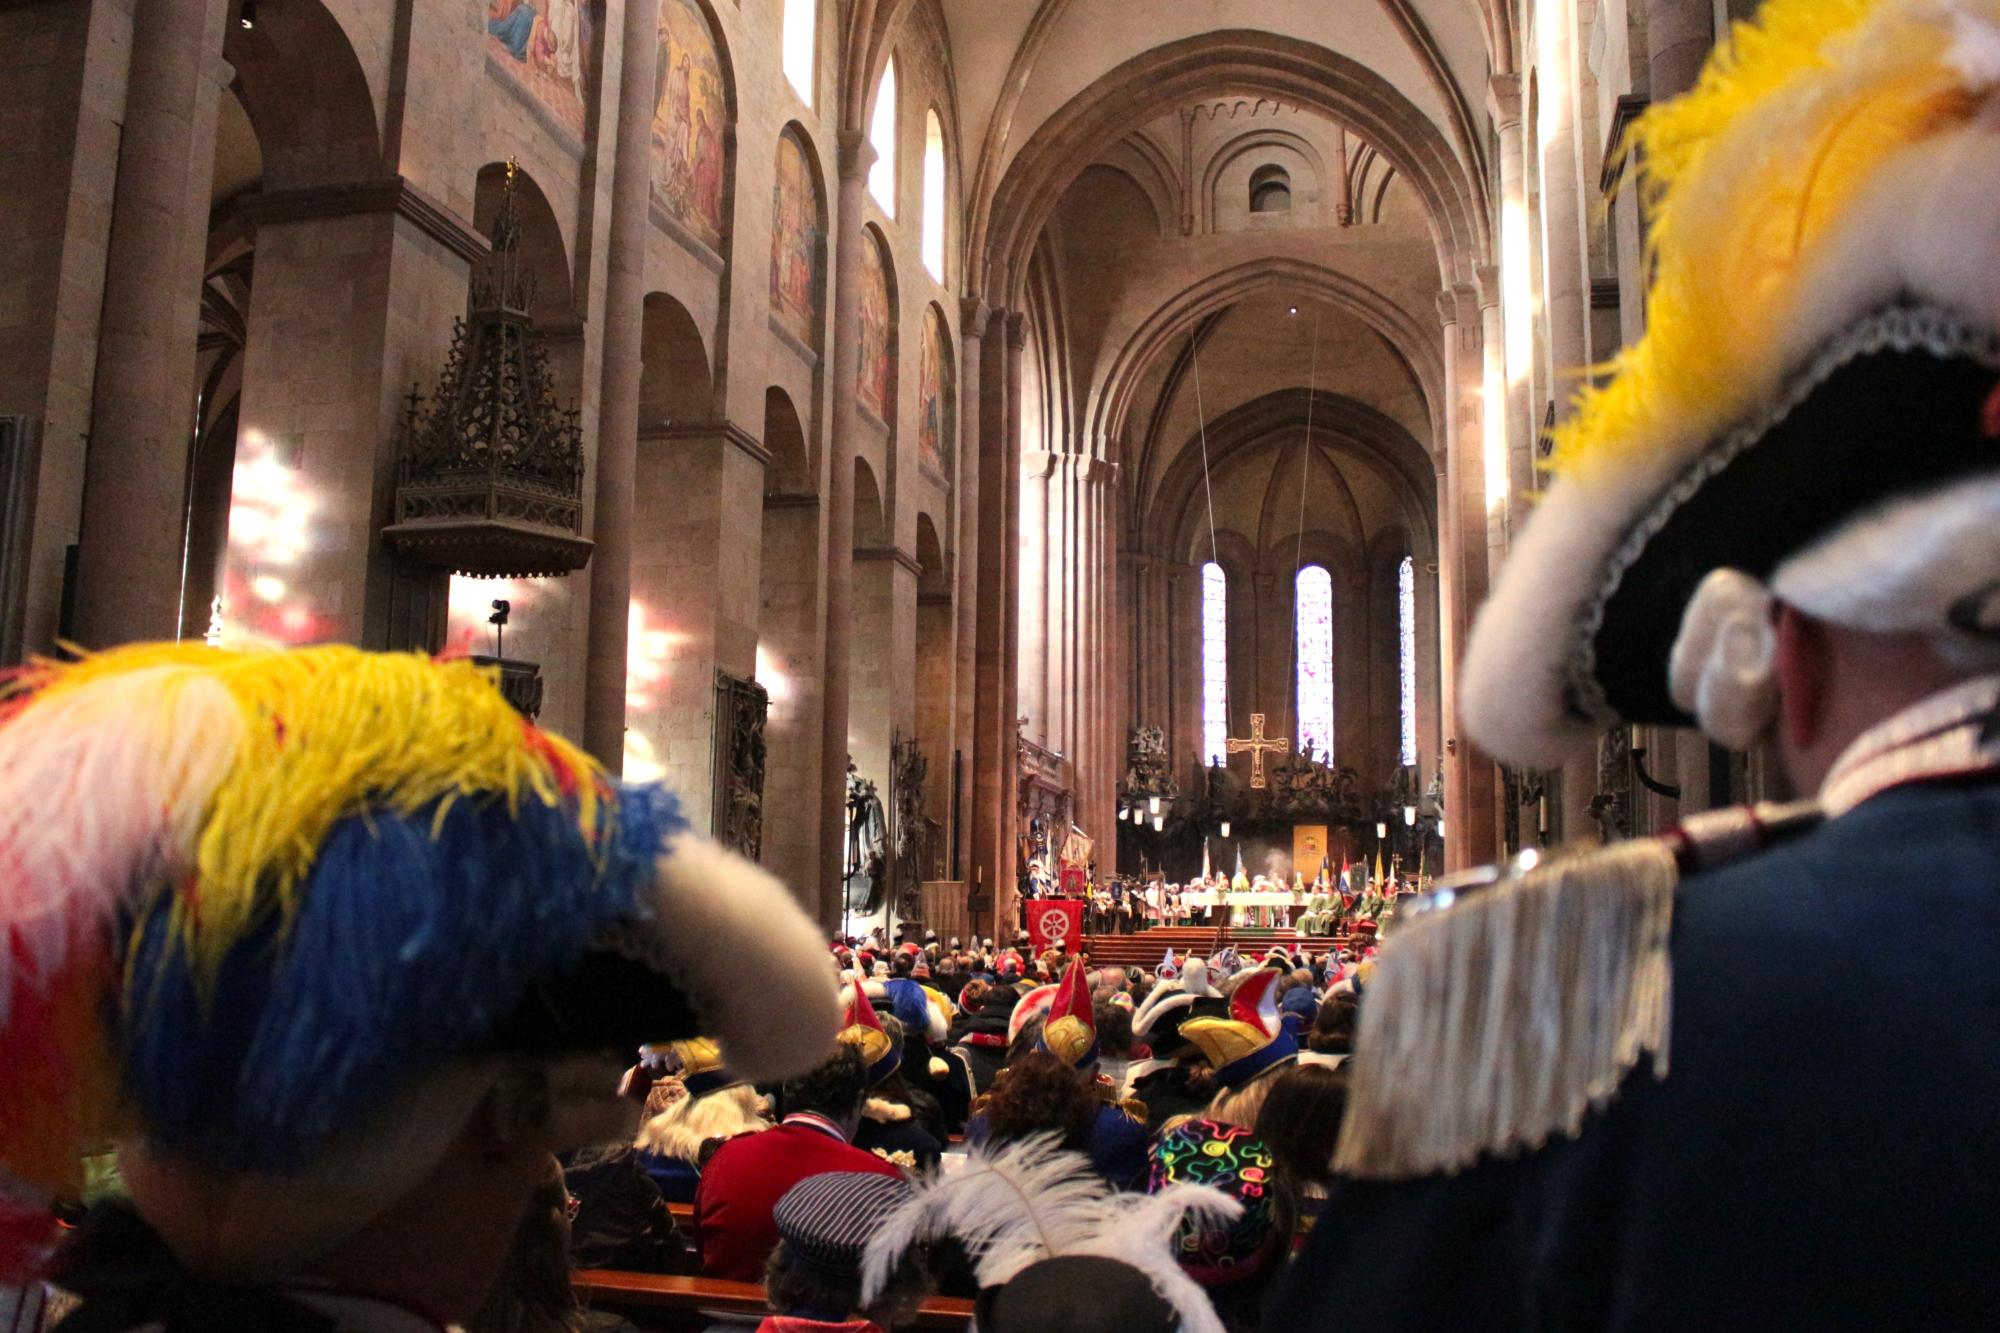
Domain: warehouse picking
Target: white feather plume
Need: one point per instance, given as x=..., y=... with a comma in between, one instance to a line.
x=1016, y=1205
x=1010, y=1207
x=102, y=788
x=1144, y=1239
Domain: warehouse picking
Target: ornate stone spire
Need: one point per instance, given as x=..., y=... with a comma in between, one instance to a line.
x=491, y=477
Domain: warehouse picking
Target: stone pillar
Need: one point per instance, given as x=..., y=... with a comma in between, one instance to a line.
x=1041, y=597
x=1679, y=34
x=1470, y=777
x=883, y=673
x=696, y=566
x=995, y=458
x=973, y=318
x=791, y=636
x=1512, y=333
x=854, y=156
x=379, y=271
x=1565, y=251
x=143, y=399
x=1009, y=676
x=618, y=395
x=64, y=96
x=1430, y=660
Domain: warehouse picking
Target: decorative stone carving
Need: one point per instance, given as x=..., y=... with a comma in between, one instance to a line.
x=741, y=710
x=490, y=483
x=907, y=767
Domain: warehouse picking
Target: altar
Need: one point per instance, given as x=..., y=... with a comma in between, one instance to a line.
x=1204, y=899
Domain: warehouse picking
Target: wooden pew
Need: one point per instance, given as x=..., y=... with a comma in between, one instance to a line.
x=653, y=1301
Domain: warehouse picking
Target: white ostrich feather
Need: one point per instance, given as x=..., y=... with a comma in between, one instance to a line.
x=1010, y=1207
x=1144, y=1239
x=1015, y=1206
x=103, y=789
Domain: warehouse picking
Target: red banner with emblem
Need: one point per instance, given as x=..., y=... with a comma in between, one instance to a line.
x=1054, y=922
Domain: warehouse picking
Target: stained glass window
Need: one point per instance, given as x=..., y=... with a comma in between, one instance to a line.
x=1214, y=663
x=1315, y=631
x=1406, y=623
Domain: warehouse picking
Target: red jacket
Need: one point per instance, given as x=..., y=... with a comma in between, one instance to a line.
x=746, y=1178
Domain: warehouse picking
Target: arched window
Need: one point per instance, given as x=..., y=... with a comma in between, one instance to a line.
x=1270, y=190
x=933, y=221
x=1214, y=663
x=801, y=45
x=1315, y=637
x=1406, y=625
x=882, y=138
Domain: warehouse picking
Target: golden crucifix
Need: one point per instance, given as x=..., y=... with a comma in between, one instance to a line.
x=1258, y=746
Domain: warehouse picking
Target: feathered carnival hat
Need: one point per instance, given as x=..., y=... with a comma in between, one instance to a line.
x=880, y=1057
x=1018, y=1207
x=1811, y=416
x=1252, y=1039
x=278, y=923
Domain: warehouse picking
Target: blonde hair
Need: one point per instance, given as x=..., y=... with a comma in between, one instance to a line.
x=681, y=1129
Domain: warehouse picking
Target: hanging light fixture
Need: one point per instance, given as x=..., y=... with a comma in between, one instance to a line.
x=1381, y=831
x=1410, y=816
x=1159, y=823
x=247, y=16
x=1225, y=828
x=1155, y=804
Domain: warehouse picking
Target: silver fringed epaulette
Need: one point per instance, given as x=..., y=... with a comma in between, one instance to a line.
x=1515, y=1000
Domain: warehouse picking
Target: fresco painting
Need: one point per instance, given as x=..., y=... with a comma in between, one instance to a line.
x=546, y=47
x=796, y=234
x=878, y=367
x=689, y=114
x=937, y=413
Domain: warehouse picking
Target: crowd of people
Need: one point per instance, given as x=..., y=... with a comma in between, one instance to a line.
x=1330, y=905
x=953, y=1063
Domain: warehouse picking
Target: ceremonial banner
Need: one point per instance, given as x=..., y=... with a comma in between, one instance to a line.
x=1309, y=846
x=1053, y=922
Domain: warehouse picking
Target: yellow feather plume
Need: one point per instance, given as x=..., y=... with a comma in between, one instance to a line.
x=328, y=733
x=1743, y=178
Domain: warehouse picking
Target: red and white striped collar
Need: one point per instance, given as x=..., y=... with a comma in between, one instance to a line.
x=815, y=1121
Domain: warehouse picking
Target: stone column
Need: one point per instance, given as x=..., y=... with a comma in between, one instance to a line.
x=1512, y=335
x=618, y=394
x=1010, y=605
x=973, y=318
x=696, y=563
x=854, y=158
x=1679, y=34
x=1470, y=778
x=64, y=96
x=1566, y=258
x=1042, y=607
x=143, y=399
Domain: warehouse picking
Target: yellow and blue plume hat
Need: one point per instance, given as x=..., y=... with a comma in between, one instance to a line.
x=1822, y=340
x=252, y=899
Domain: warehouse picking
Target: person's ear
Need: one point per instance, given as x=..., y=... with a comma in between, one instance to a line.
x=1802, y=677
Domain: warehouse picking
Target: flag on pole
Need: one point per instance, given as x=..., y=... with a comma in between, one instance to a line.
x=1207, y=869
x=1380, y=877
x=1239, y=880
